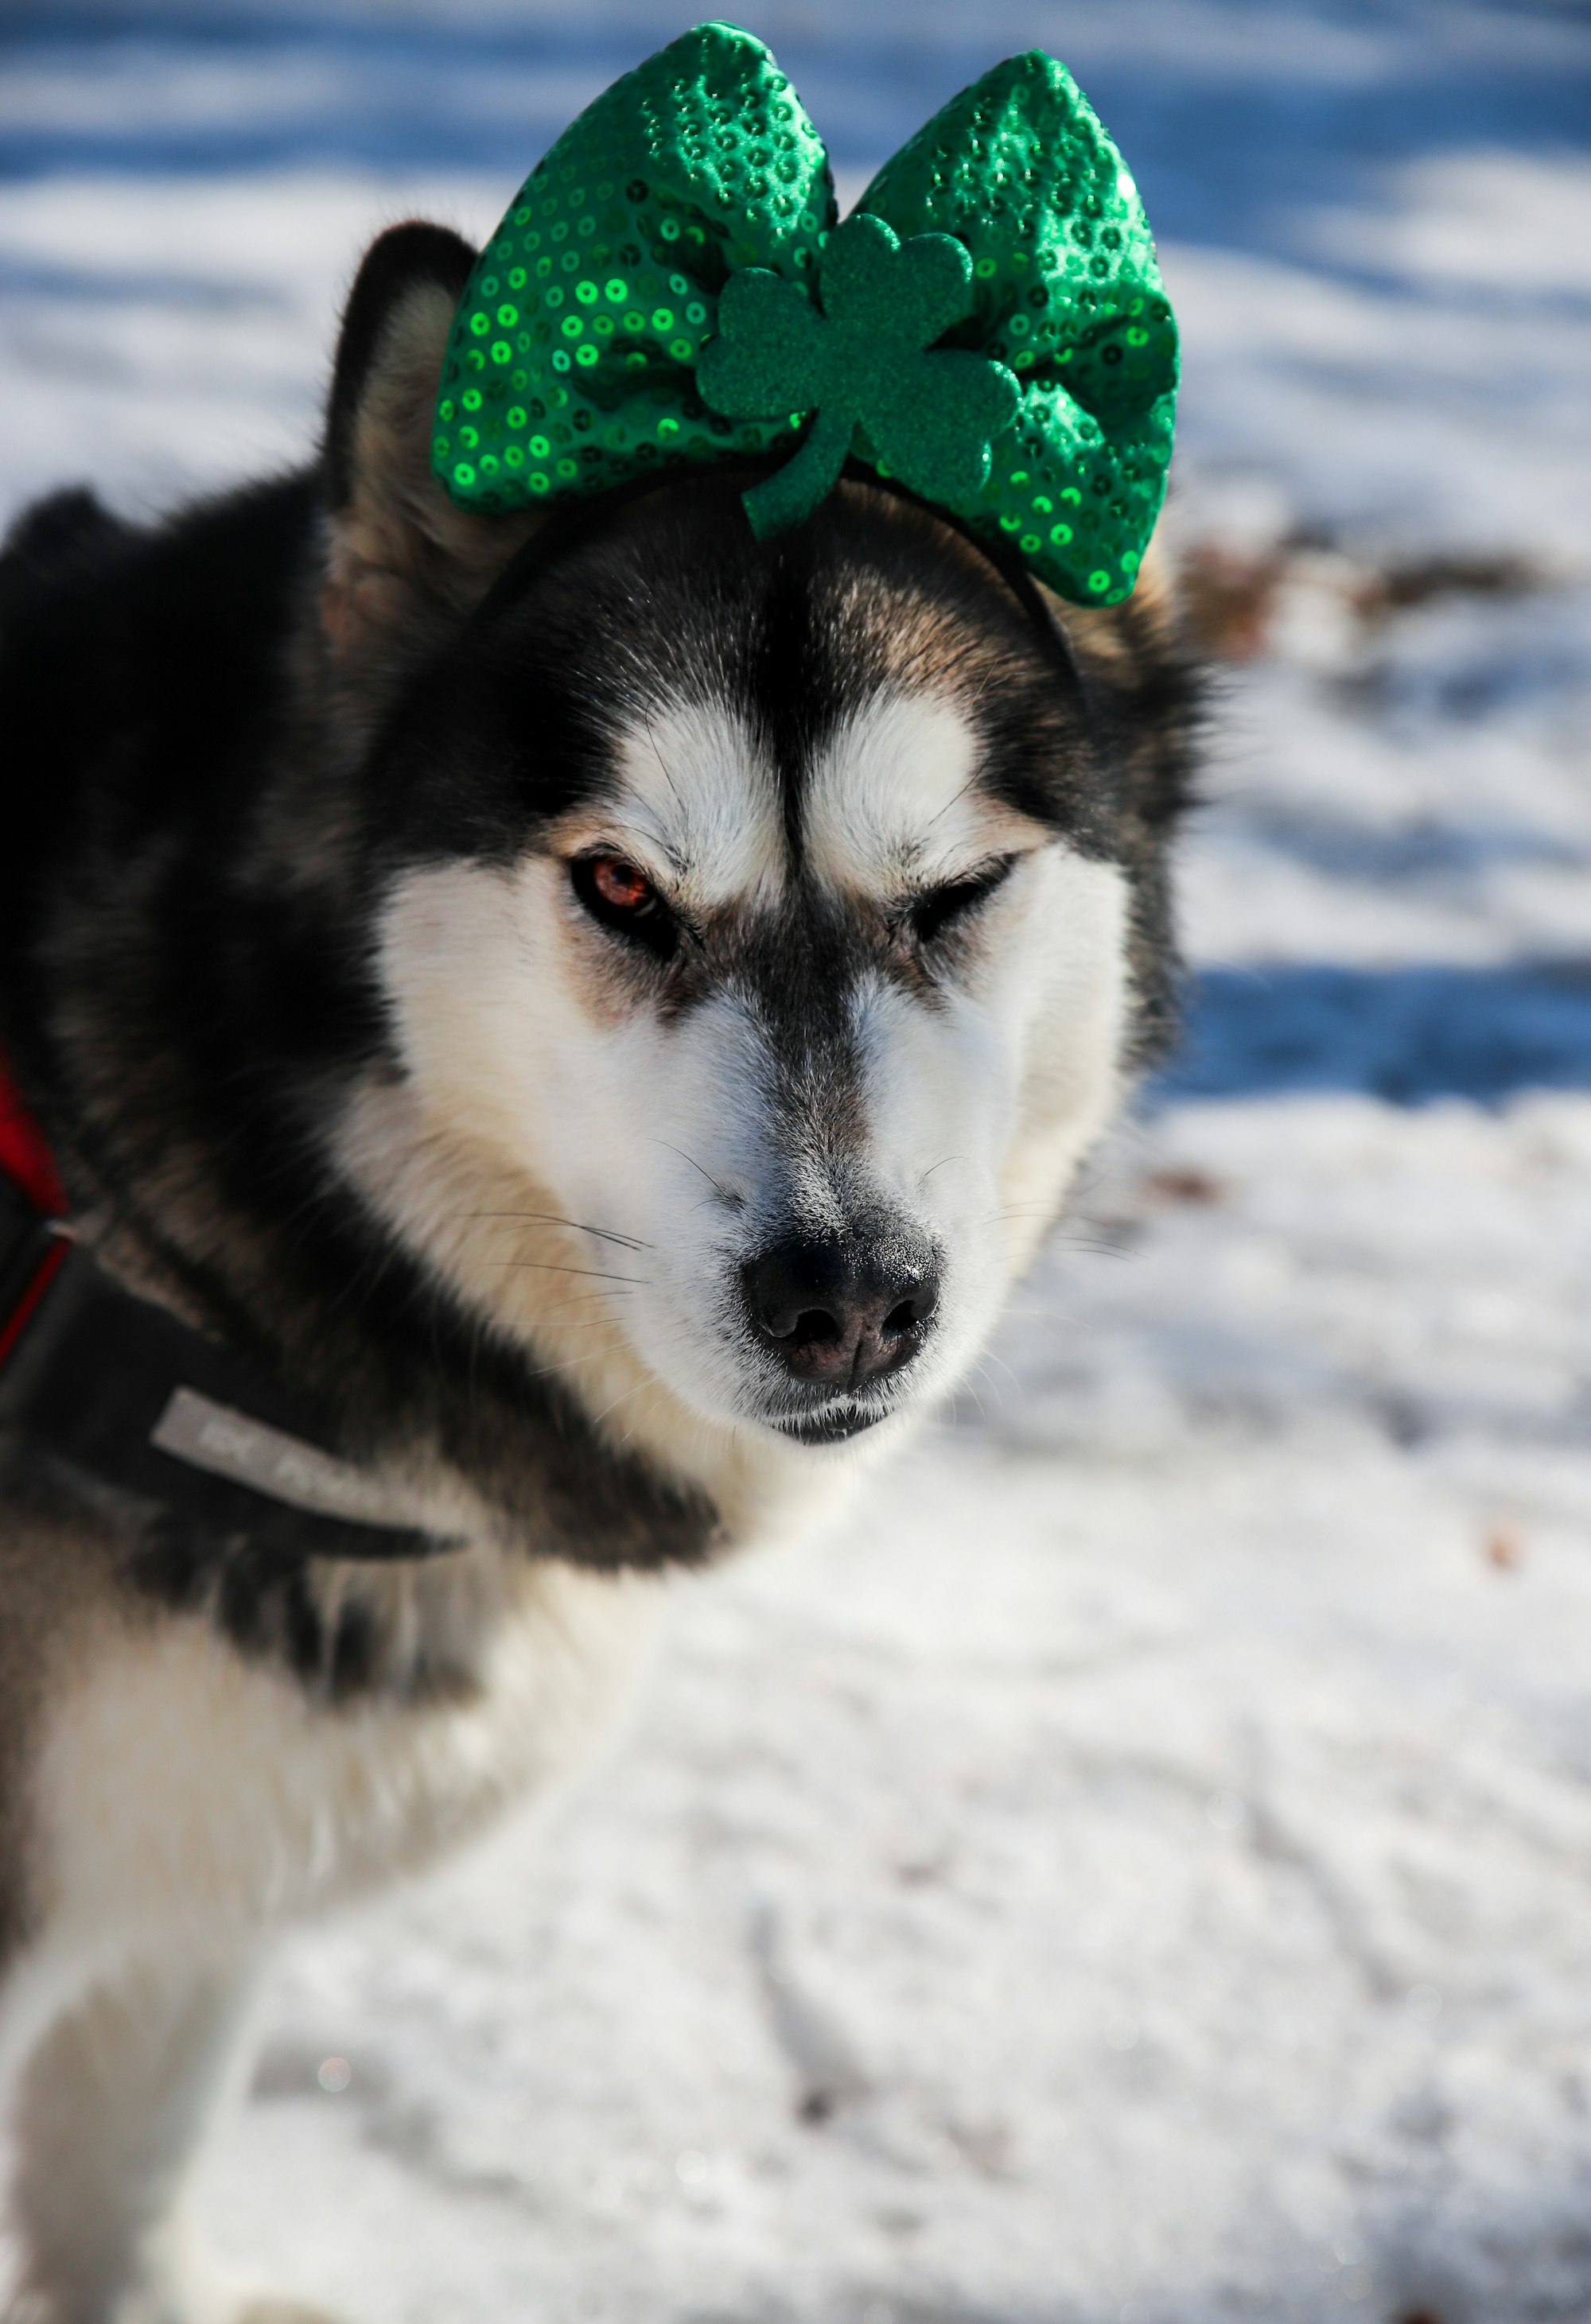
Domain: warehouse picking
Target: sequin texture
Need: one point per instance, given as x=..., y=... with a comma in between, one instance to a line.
x=571, y=366
x=1067, y=292
x=699, y=162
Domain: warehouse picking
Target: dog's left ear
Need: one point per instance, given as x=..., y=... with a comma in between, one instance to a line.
x=402, y=558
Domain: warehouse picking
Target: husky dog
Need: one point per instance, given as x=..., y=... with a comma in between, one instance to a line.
x=604, y=1008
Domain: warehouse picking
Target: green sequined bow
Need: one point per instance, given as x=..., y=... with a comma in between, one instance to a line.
x=671, y=287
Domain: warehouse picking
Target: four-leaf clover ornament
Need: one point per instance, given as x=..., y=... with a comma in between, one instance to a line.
x=865, y=358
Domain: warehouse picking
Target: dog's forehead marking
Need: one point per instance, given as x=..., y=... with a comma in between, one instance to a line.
x=695, y=789
x=892, y=794
x=889, y=798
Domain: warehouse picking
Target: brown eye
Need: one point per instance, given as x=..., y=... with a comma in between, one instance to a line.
x=618, y=894
x=620, y=884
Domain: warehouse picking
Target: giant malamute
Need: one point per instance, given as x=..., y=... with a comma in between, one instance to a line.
x=555, y=1032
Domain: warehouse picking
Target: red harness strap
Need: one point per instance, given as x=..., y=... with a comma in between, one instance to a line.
x=24, y=1158
x=26, y=1161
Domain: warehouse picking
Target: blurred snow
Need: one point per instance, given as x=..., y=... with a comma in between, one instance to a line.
x=1140, y=1867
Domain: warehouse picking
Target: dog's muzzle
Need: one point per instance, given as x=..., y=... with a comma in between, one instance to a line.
x=837, y=1314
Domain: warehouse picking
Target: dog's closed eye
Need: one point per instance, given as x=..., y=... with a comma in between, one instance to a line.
x=619, y=896
x=939, y=910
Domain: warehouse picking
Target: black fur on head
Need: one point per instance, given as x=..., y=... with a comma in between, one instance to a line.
x=622, y=603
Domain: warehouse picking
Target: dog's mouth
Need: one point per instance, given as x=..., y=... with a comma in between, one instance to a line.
x=834, y=1426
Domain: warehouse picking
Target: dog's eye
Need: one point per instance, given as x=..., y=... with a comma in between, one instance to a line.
x=620, y=884
x=942, y=908
x=619, y=894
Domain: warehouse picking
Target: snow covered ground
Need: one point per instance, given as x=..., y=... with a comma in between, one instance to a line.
x=1141, y=1869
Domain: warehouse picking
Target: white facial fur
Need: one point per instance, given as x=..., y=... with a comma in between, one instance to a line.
x=544, y=1082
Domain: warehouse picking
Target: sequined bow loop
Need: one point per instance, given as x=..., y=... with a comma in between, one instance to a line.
x=672, y=266
x=572, y=358
x=1067, y=293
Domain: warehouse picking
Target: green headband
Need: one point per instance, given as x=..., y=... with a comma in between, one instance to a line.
x=671, y=287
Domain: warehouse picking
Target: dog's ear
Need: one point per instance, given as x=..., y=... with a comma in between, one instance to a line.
x=401, y=555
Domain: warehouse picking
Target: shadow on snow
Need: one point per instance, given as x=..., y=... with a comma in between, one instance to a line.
x=1405, y=1035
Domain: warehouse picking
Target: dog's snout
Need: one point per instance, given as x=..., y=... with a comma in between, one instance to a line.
x=839, y=1312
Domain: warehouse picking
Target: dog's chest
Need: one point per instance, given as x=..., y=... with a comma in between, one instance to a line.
x=181, y=1787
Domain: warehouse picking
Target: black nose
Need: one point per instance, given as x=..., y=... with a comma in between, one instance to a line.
x=841, y=1311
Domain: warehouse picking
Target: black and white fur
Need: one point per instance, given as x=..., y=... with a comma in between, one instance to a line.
x=345, y=1058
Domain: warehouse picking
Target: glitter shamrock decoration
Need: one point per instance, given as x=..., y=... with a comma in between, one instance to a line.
x=671, y=289
x=860, y=362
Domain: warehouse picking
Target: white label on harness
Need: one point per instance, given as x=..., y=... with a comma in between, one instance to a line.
x=231, y=1444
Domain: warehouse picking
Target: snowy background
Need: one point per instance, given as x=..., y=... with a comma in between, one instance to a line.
x=1142, y=1869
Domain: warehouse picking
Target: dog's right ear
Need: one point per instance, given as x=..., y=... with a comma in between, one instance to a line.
x=401, y=555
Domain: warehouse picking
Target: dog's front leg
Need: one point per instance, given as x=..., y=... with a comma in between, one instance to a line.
x=114, y=2107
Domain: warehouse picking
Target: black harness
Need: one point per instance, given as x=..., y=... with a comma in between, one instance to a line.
x=143, y=1415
